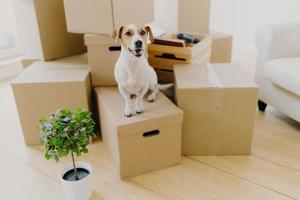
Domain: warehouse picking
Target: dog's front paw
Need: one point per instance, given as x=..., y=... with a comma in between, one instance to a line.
x=127, y=115
x=128, y=112
x=139, y=108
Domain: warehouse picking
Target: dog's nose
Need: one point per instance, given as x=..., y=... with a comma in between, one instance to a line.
x=138, y=43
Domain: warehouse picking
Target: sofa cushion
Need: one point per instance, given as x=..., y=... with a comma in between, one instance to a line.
x=284, y=72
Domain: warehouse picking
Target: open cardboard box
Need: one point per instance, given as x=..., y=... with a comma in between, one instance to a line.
x=168, y=63
x=103, y=16
x=183, y=53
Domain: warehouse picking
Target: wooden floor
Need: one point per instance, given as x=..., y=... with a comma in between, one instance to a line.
x=272, y=171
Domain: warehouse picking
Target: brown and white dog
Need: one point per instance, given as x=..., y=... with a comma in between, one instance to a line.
x=132, y=72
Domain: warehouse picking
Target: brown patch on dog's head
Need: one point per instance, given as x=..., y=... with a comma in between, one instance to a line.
x=116, y=34
x=133, y=38
x=150, y=33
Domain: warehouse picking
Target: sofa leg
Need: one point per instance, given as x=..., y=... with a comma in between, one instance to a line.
x=261, y=105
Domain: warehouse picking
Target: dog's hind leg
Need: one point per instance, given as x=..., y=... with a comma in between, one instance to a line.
x=128, y=111
x=153, y=94
x=139, y=100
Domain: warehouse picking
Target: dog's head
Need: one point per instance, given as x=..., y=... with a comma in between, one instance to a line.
x=133, y=38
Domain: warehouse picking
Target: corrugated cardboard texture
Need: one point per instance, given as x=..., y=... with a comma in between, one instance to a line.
x=132, y=12
x=194, y=15
x=42, y=88
x=219, y=102
x=212, y=75
x=43, y=31
x=89, y=16
x=103, y=16
x=221, y=47
x=133, y=153
x=102, y=58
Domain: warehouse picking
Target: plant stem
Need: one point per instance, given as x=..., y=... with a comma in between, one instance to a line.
x=74, y=166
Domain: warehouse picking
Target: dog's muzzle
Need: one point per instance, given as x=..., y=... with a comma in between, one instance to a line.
x=137, y=52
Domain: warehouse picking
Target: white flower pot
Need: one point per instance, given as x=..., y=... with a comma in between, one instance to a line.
x=77, y=190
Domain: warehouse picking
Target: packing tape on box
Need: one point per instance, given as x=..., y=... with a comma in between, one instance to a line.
x=217, y=99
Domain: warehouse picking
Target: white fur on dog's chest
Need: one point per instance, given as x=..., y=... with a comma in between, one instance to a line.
x=133, y=85
x=131, y=75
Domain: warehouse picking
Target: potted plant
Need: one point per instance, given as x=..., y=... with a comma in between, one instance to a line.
x=68, y=132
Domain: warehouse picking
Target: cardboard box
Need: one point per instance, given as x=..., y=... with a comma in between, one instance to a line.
x=181, y=53
x=44, y=87
x=26, y=62
x=103, y=53
x=194, y=15
x=43, y=32
x=221, y=47
x=219, y=104
x=103, y=16
x=168, y=63
x=142, y=143
x=164, y=75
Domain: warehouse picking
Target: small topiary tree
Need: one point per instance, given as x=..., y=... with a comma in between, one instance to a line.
x=67, y=131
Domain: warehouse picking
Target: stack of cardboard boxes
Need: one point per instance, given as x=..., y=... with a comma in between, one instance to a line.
x=62, y=81
x=211, y=98
x=128, y=140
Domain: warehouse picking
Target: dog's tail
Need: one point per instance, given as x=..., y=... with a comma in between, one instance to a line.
x=164, y=86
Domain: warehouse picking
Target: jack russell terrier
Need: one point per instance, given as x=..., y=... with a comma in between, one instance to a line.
x=132, y=72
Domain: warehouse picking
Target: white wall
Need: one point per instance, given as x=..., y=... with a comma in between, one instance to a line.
x=9, y=46
x=166, y=14
x=243, y=17
x=7, y=19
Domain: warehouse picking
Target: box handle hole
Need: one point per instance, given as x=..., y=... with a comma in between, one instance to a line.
x=151, y=133
x=169, y=56
x=115, y=48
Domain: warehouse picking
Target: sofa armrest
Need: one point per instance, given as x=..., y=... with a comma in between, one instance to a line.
x=278, y=41
x=263, y=41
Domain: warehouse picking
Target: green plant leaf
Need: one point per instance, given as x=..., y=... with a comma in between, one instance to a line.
x=65, y=131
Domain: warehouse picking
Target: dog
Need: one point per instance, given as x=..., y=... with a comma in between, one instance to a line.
x=134, y=75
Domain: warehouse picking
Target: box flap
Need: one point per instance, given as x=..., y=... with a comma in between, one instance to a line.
x=69, y=69
x=93, y=39
x=212, y=76
x=156, y=115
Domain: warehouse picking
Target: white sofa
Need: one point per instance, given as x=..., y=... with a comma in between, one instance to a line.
x=278, y=68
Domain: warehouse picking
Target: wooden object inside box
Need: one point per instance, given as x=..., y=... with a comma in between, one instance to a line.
x=183, y=53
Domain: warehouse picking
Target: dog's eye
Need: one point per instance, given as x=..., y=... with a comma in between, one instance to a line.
x=143, y=32
x=128, y=33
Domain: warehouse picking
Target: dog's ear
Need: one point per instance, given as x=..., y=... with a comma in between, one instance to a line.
x=117, y=34
x=150, y=33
